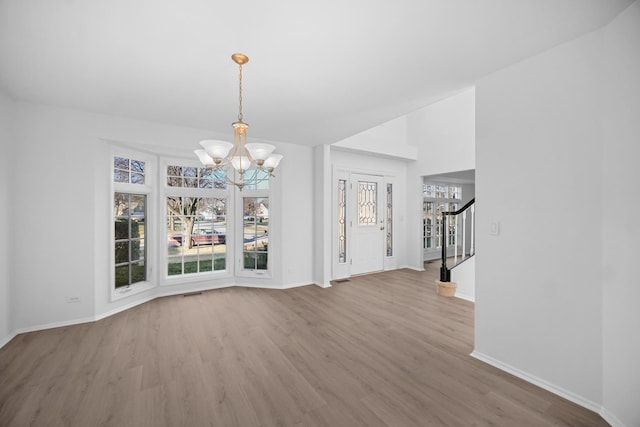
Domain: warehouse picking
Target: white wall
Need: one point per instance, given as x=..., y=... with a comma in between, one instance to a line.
x=538, y=284
x=557, y=153
x=64, y=250
x=388, y=139
x=6, y=177
x=296, y=193
x=621, y=210
x=444, y=133
x=464, y=276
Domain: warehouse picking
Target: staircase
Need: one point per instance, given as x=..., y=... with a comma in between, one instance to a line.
x=461, y=229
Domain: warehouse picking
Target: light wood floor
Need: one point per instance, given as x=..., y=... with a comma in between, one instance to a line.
x=379, y=350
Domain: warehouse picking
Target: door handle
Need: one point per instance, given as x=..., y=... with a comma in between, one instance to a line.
x=382, y=228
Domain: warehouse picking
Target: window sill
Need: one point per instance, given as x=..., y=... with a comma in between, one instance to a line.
x=195, y=277
x=255, y=274
x=127, y=291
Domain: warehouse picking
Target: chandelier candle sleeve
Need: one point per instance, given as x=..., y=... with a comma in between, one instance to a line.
x=260, y=152
x=241, y=155
x=217, y=150
x=204, y=158
x=272, y=162
x=241, y=163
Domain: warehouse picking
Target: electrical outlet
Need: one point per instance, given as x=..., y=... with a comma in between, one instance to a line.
x=494, y=228
x=73, y=299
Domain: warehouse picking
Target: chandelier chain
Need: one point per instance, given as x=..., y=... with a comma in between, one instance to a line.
x=240, y=94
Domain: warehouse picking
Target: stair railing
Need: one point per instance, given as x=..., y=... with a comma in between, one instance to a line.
x=460, y=214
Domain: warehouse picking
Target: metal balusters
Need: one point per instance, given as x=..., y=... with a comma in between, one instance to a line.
x=445, y=224
x=455, y=240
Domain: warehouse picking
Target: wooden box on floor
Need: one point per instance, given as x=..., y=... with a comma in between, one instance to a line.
x=446, y=289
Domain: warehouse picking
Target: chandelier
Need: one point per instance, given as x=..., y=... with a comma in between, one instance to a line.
x=244, y=157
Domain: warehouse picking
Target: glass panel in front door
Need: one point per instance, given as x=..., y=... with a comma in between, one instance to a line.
x=367, y=203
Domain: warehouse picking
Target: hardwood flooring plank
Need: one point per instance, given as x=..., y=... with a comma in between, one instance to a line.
x=379, y=350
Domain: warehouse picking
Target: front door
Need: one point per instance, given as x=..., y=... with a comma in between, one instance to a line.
x=367, y=231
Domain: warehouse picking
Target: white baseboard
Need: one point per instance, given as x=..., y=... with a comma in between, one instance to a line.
x=464, y=297
x=4, y=341
x=410, y=267
x=325, y=285
x=202, y=288
x=54, y=325
x=573, y=397
x=610, y=418
x=124, y=307
x=296, y=285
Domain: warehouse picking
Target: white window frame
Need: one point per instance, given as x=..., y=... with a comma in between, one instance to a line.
x=167, y=191
x=239, y=235
x=435, y=227
x=391, y=261
x=146, y=189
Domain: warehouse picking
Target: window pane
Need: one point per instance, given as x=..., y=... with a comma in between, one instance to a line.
x=389, y=220
x=261, y=261
x=137, y=226
x=138, y=272
x=342, y=220
x=219, y=179
x=122, y=275
x=190, y=265
x=205, y=264
x=174, y=176
x=126, y=170
x=121, y=163
x=120, y=175
x=174, y=171
x=122, y=252
x=174, y=266
x=173, y=181
x=121, y=229
x=137, y=250
x=129, y=235
x=219, y=262
x=205, y=178
x=137, y=178
x=249, y=261
x=429, y=190
x=196, y=229
x=256, y=180
x=138, y=206
x=367, y=203
x=137, y=166
x=255, y=232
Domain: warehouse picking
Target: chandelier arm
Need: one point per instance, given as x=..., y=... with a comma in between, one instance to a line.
x=243, y=142
x=231, y=154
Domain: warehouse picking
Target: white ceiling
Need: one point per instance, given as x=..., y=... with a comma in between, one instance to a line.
x=318, y=72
